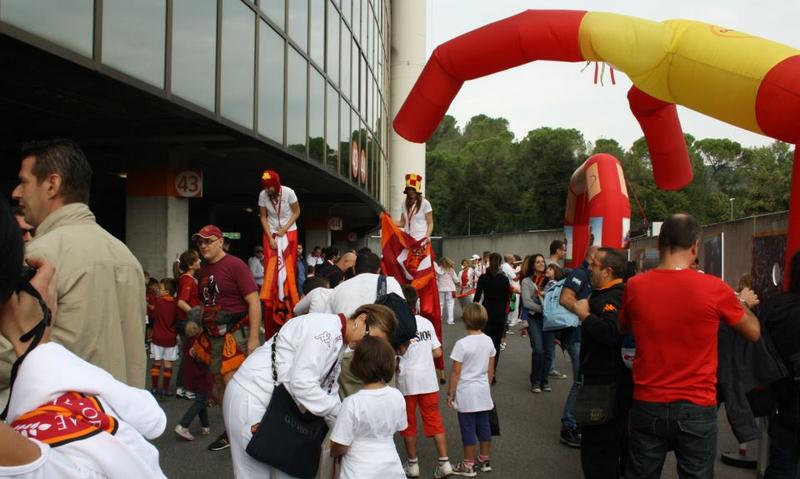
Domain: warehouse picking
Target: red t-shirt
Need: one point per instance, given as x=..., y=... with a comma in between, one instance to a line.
x=165, y=332
x=674, y=316
x=226, y=283
x=187, y=291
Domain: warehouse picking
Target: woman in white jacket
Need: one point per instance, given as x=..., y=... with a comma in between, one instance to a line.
x=446, y=281
x=307, y=349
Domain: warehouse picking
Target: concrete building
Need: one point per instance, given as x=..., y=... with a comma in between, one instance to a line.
x=180, y=104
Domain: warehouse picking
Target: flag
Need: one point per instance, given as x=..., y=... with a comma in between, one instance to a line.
x=410, y=261
x=279, y=292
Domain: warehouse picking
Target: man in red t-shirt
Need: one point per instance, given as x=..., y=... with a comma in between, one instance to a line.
x=674, y=313
x=231, y=313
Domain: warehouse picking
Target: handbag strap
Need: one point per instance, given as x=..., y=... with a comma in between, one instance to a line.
x=343, y=319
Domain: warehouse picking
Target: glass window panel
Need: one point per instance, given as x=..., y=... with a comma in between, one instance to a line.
x=367, y=40
x=270, y=83
x=332, y=127
x=298, y=23
x=346, y=69
x=356, y=19
x=347, y=9
x=194, y=46
x=238, y=62
x=362, y=103
x=318, y=32
x=316, y=116
x=69, y=23
x=344, y=139
x=275, y=11
x=332, y=64
x=354, y=63
x=134, y=36
x=296, y=102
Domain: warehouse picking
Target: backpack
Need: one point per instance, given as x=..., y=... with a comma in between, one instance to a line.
x=406, y=322
x=556, y=316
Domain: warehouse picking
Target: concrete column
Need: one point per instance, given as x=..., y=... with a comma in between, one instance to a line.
x=407, y=61
x=157, y=230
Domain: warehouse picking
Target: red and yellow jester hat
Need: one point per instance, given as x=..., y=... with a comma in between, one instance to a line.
x=413, y=181
x=270, y=178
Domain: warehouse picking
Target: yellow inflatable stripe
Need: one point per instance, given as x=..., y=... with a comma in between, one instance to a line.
x=701, y=66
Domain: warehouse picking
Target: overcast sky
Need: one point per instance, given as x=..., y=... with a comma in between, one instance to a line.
x=558, y=94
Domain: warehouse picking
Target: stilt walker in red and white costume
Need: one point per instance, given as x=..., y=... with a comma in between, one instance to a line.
x=278, y=211
x=408, y=256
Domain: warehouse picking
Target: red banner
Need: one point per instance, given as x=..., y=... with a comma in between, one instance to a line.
x=410, y=261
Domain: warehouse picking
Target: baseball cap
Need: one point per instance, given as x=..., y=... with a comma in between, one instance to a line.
x=474, y=257
x=208, y=231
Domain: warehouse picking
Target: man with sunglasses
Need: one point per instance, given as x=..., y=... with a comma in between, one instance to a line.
x=231, y=312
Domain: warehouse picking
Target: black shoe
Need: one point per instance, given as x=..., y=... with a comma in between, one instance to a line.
x=220, y=444
x=570, y=437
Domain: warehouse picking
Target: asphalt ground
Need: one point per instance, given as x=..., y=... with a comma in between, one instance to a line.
x=528, y=446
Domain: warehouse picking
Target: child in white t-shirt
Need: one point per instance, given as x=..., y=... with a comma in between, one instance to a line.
x=469, y=392
x=416, y=379
x=368, y=419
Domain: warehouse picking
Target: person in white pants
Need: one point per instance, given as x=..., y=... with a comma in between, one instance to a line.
x=446, y=281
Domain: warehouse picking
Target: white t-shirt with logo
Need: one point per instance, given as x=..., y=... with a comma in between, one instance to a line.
x=417, y=374
x=472, y=392
x=278, y=215
x=359, y=290
x=417, y=226
x=367, y=423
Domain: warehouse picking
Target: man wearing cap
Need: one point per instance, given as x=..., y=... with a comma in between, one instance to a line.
x=231, y=312
x=278, y=211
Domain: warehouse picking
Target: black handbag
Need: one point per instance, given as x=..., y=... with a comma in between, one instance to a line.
x=494, y=421
x=286, y=438
x=595, y=404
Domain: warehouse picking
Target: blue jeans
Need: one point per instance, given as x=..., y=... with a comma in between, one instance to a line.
x=199, y=407
x=689, y=429
x=784, y=451
x=543, y=349
x=571, y=340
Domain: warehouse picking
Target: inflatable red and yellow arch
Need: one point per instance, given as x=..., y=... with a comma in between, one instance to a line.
x=740, y=79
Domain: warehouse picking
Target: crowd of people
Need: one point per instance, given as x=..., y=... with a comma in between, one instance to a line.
x=349, y=354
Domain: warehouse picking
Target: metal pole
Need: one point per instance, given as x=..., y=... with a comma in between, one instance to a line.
x=469, y=221
x=731, y=200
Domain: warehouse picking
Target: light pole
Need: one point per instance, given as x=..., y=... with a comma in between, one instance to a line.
x=731, y=200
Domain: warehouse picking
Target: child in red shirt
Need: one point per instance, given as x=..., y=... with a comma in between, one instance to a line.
x=164, y=348
x=188, y=263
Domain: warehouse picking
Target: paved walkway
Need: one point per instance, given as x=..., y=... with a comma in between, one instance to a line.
x=527, y=448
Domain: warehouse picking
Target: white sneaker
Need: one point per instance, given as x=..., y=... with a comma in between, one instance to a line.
x=184, y=433
x=443, y=469
x=188, y=395
x=411, y=469
x=179, y=393
x=451, y=322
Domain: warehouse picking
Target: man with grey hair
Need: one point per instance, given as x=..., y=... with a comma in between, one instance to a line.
x=101, y=297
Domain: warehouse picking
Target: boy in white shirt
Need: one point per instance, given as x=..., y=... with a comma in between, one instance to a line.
x=469, y=392
x=416, y=379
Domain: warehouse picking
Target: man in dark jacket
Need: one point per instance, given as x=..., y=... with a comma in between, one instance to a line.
x=604, y=446
x=782, y=320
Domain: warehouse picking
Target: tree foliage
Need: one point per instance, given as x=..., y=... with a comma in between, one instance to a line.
x=481, y=180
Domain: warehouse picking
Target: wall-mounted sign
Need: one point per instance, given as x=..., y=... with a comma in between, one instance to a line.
x=232, y=235
x=363, y=168
x=335, y=223
x=189, y=184
x=354, y=158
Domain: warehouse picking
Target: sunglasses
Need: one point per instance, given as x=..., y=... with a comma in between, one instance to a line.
x=205, y=241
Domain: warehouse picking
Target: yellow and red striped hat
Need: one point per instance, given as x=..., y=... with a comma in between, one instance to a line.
x=414, y=181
